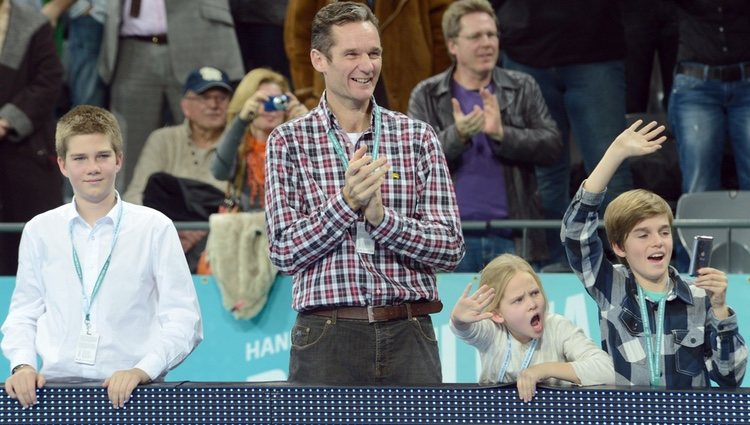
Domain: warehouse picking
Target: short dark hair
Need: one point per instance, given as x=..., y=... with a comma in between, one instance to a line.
x=337, y=13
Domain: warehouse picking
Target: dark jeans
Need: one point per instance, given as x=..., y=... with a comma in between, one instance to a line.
x=589, y=101
x=330, y=351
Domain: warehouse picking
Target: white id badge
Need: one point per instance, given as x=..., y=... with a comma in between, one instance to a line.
x=86, y=348
x=365, y=244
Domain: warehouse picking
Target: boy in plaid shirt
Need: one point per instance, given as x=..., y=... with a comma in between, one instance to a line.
x=659, y=329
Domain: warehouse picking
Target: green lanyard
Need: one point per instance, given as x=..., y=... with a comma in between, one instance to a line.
x=88, y=301
x=375, y=144
x=654, y=355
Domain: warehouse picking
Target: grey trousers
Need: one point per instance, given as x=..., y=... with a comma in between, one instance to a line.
x=143, y=86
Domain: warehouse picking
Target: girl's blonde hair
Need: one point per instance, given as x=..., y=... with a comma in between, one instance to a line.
x=249, y=85
x=500, y=271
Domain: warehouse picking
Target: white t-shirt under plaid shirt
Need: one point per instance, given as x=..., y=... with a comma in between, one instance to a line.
x=312, y=230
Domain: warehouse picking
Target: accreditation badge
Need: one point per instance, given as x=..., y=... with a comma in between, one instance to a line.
x=365, y=244
x=88, y=342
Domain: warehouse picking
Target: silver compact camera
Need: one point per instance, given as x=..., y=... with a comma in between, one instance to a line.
x=277, y=103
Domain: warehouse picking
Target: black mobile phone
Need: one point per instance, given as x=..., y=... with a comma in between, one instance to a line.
x=701, y=253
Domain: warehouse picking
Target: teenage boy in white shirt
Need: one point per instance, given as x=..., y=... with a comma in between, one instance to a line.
x=103, y=291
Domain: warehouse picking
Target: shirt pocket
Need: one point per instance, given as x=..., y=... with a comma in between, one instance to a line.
x=689, y=359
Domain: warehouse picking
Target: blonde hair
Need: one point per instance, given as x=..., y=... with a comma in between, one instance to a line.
x=87, y=119
x=249, y=85
x=499, y=272
x=629, y=209
x=457, y=10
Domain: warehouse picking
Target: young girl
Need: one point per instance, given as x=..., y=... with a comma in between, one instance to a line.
x=506, y=320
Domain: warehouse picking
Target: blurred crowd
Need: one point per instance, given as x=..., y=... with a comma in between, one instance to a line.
x=197, y=87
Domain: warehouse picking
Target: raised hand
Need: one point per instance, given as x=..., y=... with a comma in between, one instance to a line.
x=631, y=142
x=470, y=309
x=637, y=142
x=252, y=106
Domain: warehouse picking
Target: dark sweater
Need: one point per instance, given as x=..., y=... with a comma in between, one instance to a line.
x=547, y=33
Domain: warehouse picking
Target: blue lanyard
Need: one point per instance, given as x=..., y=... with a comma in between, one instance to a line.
x=88, y=301
x=654, y=355
x=375, y=144
x=526, y=358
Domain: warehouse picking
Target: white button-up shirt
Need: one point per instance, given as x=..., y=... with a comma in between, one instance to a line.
x=146, y=311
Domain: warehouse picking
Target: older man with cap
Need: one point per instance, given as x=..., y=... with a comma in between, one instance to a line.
x=173, y=173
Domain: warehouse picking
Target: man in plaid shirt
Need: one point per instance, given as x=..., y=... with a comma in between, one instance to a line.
x=360, y=209
x=659, y=330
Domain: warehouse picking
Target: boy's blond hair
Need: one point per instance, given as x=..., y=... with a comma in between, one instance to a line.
x=629, y=209
x=87, y=119
x=500, y=271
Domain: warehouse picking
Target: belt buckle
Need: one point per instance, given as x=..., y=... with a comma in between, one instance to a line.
x=371, y=314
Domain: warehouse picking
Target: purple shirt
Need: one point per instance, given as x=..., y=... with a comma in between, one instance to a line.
x=480, y=181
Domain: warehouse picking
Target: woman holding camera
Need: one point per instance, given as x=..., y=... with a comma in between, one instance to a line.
x=261, y=102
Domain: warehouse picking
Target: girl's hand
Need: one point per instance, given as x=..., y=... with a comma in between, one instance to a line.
x=527, y=381
x=470, y=309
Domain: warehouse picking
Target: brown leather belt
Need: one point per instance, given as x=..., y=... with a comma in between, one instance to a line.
x=381, y=313
x=726, y=73
x=156, y=38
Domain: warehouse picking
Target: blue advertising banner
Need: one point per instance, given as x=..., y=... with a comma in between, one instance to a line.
x=258, y=349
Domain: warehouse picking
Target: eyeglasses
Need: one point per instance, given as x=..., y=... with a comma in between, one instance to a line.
x=203, y=98
x=492, y=35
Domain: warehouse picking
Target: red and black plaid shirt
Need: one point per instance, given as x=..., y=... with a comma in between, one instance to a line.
x=312, y=230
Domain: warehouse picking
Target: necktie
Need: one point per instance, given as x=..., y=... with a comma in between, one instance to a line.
x=135, y=8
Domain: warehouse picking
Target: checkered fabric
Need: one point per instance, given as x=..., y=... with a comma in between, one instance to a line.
x=696, y=346
x=312, y=231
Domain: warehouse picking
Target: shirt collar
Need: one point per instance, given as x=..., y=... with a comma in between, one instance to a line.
x=71, y=213
x=679, y=289
x=330, y=121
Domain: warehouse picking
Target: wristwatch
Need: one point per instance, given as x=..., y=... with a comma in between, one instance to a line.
x=19, y=367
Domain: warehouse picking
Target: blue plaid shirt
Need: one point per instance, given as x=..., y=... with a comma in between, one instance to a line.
x=696, y=346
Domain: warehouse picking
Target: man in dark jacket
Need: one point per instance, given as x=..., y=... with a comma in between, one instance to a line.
x=494, y=127
x=30, y=81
